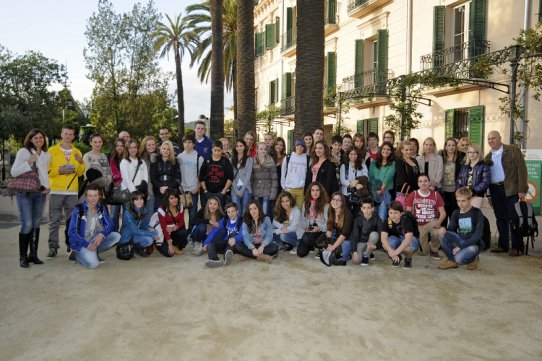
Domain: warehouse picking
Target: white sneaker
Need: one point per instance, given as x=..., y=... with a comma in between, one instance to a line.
x=293, y=250
x=228, y=257
x=198, y=250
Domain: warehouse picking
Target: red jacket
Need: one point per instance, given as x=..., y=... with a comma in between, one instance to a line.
x=166, y=218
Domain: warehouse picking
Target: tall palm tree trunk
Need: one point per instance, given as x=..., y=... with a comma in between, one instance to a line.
x=235, y=106
x=180, y=97
x=309, y=84
x=246, y=104
x=217, y=71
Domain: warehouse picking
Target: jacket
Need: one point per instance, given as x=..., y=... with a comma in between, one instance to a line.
x=266, y=229
x=264, y=179
x=60, y=182
x=131, y=227
x=405, y=173
x=327, y=175
x=166, y=218
x=481, y=178
x=21, y=166
x=242, y=175
x=436, y=167
x=163, y=173
x=294, y=223
x=204, y=148
x=321, y=219
x=77, y=227
x=515, y=170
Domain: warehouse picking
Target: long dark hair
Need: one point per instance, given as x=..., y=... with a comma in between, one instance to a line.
x=116, y=156
x=379, y=158
x=31, y=134
x=141, y=214
x=360, y=160
x=273, y=153
x=280, y=213
x=332, y=214
x=327, y=152
x=363, y=147
x=165, y=199
x=247, y=218
x=236, y=156
x=320, y=202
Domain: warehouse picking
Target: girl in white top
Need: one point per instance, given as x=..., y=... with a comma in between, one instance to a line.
x=128, y=167
x=355, y=168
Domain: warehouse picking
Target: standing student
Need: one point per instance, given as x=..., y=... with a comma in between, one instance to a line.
x=322, y=169
x=406, y=169
x=33, y=156
x=462, y=240
x=190, y=163
x=400, y=236
x=475, y=175
x=224, y=238
x=278, y=153
x=415, y=147
x=372, y=148
x=264, y=179
x=318, y=134
x=346, y=143
x=135, y=175
x=149, y=154
x=116, y=156
x=226, y=151
x=309, y=142
x=359, y=144
x=97, y=170
x=336, y=153
x=287, y=226
x=171, y=217
x=250, y=142
x=203, y=144
x=431, y=163
x=124, y=135
x=381, y=174
x=389, y=136
x=135, y=228
x=66, y=166
x=294, y=172
x=165, y=173
x=257, y=235
x=339, y=228
x=216, y=175
x=366, y=233
x=314, y=216
x=452, y=160
x=268, y=140
x=165, y=136
x=350, y=174
x=242, y=172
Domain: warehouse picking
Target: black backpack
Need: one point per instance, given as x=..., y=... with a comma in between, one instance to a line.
x=524, y=222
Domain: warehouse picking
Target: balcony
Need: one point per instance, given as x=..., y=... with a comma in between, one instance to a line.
x=287, y=106
x=331, y=19
x=371, y=84
x=289, y=42
x=456, y=60
x=330, y=97
x=360, y=8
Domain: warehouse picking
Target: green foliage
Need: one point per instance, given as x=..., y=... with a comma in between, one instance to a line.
x=266, y=118
x=340, y=129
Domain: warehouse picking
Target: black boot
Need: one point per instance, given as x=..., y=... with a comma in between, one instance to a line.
x=34, y=239
x=23, y=248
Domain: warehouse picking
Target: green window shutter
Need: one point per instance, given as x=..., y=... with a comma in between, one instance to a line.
x=290, y=140
x=359, y=127
x=382, y=56
x=277, y=30
x=289, y=25
x=271, y=92
x=372, y=125
x=476, y=125
x=540, y=11
x=276, y=94
x=358, y=71
x=286, y=85
x=269, y=36
x=478, y=20
x=449, y=123
x=331, y=72
x=259, y=44
x=331, y=11
x=439, y=16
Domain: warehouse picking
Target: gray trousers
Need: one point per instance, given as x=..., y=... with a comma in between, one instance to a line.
x=361, y=247
x=57, y=204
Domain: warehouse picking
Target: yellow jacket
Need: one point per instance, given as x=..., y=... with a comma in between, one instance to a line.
x=60, y=182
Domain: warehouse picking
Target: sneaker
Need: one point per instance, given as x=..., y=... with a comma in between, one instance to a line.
x=52, y=253
x=198, y=250
x=396, y=263
x=339, y=262
x=365, y=261
x=141, y=251
x=447, y=265
x=318, y=253
x=212, y=263
x=228, y=256
x=372, y=256
x=293, y=250
x=499, y=250
x=408, y=263
x=286, y=247
x=101, y=259
x=434, y=255
x=72, y=256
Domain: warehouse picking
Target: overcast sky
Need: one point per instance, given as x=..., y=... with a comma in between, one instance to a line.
x=57, y=29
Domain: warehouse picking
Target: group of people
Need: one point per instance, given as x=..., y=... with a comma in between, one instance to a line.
x=342, y=201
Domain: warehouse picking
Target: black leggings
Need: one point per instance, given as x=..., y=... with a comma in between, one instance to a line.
x=307, y=243
x=271, y=249
x=179, y=240
x=219, y=245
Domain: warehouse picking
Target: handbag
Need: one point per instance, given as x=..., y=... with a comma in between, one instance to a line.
x=28, y=182
x=186, y=199
x=116, y=195
x=401, y=196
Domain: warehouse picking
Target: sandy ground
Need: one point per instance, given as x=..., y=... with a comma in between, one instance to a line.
x=294, y=309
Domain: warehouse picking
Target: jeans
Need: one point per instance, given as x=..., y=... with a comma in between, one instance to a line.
x=199, y=232
x=143, y=241
x=465, y=255
x=271, y=249
x=115, y=216
x=89, y=258
x=345, y=248
x=194, y=209
x=504, y=207
x=151, y=206
x=241, y=201
x=382, y=210
x=30, y=209
x=264, y=201
x=57, y=204
x=290, y=238
x=395, y=242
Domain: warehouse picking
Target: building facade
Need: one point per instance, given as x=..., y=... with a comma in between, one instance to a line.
x=368, y=42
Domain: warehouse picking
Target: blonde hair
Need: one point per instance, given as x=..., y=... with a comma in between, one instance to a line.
x=171, y=156
x=465, y=139
x=463, y=192
x=423, y=145
x=143, y=147
x=478, y=149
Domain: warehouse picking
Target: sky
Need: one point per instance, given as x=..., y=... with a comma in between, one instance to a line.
x=56, y=28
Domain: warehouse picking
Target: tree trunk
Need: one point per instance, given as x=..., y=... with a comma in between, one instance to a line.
x=246, y=97
x=234, y=87
x=217, y=71
x=180, y=98
x=309, y=84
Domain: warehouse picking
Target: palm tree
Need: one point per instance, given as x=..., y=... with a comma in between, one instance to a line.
x=216, y=118
x=309, y=66
x=246, y=102
x=180, y=37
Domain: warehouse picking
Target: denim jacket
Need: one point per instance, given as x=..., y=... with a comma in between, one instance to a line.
x=76, y=229
x=131, y=227
x=481, y=178
x=266, y=229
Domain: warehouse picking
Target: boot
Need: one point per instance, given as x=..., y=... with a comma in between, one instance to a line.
x=23, y=248
x=34, y=239
x=265, y=258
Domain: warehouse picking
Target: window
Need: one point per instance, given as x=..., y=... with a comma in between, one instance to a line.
x=273, y=91
x=460, y=30
x=371, y=60
x=365, y=126
x=466, y=122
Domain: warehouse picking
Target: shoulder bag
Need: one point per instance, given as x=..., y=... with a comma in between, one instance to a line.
x=28, y=182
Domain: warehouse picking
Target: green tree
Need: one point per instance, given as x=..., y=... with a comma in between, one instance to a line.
x=176, y=36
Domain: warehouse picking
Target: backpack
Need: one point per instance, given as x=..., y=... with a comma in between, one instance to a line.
x=288, y=161
x=80, y=214
x=524, y=222
x=125, y=251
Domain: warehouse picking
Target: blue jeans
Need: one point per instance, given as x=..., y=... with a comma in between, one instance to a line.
x=89, y=258
x=264, y=201
x=395, y=242
x=194, y=209
x=346, y=248
x=290, y=238
x=242, y=201
x=30, y=209
x=151, y=206
x=199, y=233
x=452, y=240
x=115, y=216
x=143, y=241
x=385, y=200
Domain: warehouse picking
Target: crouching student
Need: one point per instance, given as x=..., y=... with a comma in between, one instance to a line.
x=134, y=228
x=462, y=240
x=287, y=228
x=257, y=233
x=204, y=222
x=171, y=218
x=339, y=228
x=400, y=235
x=314, y=218
x=365, y=233
x=224, y=238
x=91, y=230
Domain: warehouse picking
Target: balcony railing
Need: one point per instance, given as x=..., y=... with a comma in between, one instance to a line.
x=372, y=81
x=454, y=54
x=289, y=39
x=287, y=105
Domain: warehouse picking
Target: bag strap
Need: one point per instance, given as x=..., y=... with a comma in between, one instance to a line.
x=137, y=168
x=403, y=188
x=71, y=181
